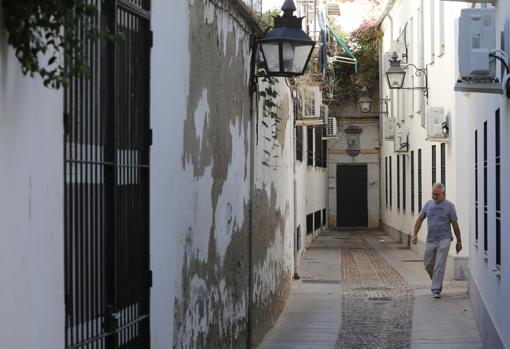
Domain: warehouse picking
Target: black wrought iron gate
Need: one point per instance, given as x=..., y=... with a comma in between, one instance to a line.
x=106, y=153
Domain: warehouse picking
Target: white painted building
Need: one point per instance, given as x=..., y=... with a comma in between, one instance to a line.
x=427, y=32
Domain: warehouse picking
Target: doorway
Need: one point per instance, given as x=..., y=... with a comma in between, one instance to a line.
x=351, y=196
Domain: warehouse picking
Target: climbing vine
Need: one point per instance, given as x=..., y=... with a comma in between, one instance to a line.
x=270, y=118
x=36, y=33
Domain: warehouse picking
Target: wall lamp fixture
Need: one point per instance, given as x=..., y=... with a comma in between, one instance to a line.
x=365, y=102
x=396, y=74
x=286, y=48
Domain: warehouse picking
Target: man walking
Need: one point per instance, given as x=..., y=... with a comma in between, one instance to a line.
x=440, y=214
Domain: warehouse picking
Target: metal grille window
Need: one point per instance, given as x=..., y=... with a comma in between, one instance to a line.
x=398, y=181
x=485, y=208
x=498, y=188
x=309, y=146
x=386, y=179
x=324, y=150
x=106, y=186
x=391, y=184
x=434, y=170
x=476, y=186
x=309, y=224
x=419, y=181
x=317, y=220
x=299, y=143
x=443, y=164
x=403, y=182
x=412, y=181
x=318, y=147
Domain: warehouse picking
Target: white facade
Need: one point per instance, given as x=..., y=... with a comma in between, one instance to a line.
x=31, y=209
x=431, y=30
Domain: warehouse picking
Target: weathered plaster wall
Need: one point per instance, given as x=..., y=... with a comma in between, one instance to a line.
x=31, y=208
x=273, y=216
x=212, y=220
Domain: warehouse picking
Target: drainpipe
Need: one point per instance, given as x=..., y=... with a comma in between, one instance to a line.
x=294, y=185
x=253, y=125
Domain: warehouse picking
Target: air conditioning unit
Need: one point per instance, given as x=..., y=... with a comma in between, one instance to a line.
x=311, y=102
x=477, y=40
x=331, y=128
x=437, y=125
x=401, y=139
x=389, y=128
x=399, y=47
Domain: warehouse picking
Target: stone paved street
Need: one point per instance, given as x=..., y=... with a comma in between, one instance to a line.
x=374, y=305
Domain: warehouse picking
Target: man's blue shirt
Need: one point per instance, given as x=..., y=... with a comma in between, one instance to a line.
x=439, y=219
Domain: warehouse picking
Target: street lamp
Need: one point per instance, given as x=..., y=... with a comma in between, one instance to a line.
x=286, y=48
x=396, y=74
x=364, y=101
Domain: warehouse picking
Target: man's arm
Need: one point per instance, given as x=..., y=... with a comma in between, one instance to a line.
x=417, y=227
x=456, y=230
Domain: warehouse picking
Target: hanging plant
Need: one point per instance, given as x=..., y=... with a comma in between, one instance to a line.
x=36, y=33
x=270, y=118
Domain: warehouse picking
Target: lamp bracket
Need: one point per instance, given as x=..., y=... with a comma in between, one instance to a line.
x=418, y=72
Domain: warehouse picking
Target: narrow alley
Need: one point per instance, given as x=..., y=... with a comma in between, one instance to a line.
x=350, y=295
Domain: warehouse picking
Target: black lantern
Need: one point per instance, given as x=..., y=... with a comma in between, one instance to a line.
x=286, y=48
x=395, y=74
x=364, y=101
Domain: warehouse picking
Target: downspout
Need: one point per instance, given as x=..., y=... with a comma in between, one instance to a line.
x=254, y=118
x=296, y=251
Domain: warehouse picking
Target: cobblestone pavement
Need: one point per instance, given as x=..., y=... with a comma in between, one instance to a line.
x=377, y=303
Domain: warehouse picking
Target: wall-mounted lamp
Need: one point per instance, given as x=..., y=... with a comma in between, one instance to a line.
x=286, y=48
x=396, y=74
x=365, y=102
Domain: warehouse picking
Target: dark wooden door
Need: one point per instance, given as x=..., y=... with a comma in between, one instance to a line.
x=351, y=196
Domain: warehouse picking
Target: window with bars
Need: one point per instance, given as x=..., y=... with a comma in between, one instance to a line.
x=476, y=186
x=498, y=188
x=485, y=194
x=433, y=166
x=398, y=182
x=318, y=147
x=443, y=164
x=299, y=143
x=309, y=146
x=403, y=182
x=309, y=224
x=386, y=179
x=419, y=181
x=391, y=184
x=324, y=150
x=317, y=220
x=412, y=181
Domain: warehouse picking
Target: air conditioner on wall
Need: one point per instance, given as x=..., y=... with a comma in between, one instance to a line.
x=389, y=128
x=438, y=128
x=401, y=140
x=311, y=101
x=477, y=48
x=331, y=128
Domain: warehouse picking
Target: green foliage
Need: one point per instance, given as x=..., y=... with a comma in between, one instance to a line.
x=42, y=46
x=268, y=17
x=364, y=43
x=270, y=118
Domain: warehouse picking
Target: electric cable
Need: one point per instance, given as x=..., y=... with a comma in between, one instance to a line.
x=501, y=60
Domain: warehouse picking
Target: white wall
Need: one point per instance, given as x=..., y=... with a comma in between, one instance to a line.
x=489, y=293
x=169, y=81
x=31, y=215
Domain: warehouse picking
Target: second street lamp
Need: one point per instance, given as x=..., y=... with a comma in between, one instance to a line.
x=395, y=74
x=364, y=101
